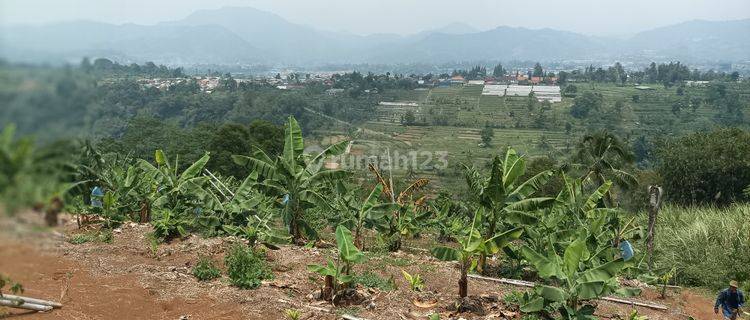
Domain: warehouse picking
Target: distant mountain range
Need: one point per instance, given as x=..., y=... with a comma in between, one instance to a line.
x=243, y=35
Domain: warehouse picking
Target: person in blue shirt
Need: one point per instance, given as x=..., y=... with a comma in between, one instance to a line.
x=730, y=300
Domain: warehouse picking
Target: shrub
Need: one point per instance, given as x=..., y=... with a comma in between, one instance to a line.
x=246, y=267
x=711, y=167
x=206, y=270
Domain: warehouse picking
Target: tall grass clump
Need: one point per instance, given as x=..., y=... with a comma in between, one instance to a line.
x=708, y=245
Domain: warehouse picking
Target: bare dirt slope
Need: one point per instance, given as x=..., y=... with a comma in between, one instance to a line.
x=127, y=279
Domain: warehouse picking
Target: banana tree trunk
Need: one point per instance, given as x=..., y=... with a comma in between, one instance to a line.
x=294, y=218
x=327, y=292
x=358, y=241
x=463, y=282
x=482, y=263
x=145, y=213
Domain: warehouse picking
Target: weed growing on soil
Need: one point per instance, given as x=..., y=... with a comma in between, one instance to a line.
x=206, y=270
x=153, y=244
x=352, y=311
x=104, y=236
x=292, y=314
x=81, y=238
x=372, y=280
x=15, y=287
x=246, y=267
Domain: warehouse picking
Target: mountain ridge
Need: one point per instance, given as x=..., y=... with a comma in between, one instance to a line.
x=245, y=35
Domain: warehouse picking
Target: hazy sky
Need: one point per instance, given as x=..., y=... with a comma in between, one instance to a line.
x=599, y=17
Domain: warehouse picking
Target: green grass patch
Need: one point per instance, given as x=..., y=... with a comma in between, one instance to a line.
x=708, y=246
x=371, y=280
x=103, y=236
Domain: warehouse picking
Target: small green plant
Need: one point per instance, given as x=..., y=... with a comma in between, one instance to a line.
x=415, y=281
x=205, y=269
x=105, y=236
x=153, y=244
x=514, y=298
x=246, y=267
x=292, y=314
x=634, y=316
x=339, y=276
x=664, y=279
x=15, y=287
x=434, y=316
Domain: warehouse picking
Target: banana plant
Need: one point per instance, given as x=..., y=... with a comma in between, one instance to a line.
x=408, y=215
x=503, y=196
x=368, y=214
x=575, y=277
x=245, y=213
x=294, y=178
x=172, y=189
x=472, y=245
x=447, y=224
x=339, y=276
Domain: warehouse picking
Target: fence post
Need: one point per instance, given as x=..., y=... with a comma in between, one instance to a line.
x=655, y=200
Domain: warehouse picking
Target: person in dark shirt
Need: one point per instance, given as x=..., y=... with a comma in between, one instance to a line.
x=730, y=300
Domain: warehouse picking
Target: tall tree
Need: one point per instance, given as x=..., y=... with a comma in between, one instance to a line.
x=498, y=71
x=538, y=71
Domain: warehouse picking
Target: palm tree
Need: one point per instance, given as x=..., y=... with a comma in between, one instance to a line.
x=293, y=177
x=603, y=156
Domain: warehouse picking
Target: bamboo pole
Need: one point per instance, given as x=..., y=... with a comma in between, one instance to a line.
x=32, y=300
x=529, y=284
x=635, y=303
x=23, y=305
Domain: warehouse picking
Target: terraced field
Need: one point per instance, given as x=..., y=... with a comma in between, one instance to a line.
x=450, y=120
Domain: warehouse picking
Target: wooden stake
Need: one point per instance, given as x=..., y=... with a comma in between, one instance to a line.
x=655, y=199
